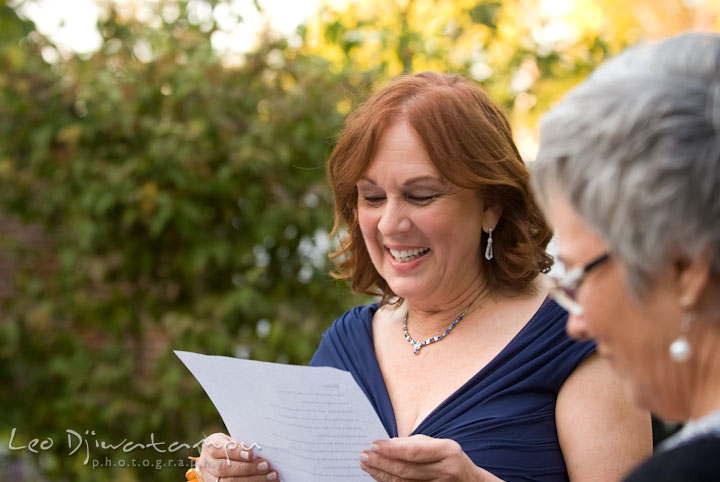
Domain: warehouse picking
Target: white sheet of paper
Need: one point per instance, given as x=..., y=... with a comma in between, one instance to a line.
x=311, y=423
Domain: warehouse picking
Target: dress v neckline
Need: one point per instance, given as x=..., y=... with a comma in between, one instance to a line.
x=471, y=381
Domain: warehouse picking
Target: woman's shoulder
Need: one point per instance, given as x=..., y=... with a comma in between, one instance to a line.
x=353, y=326
x=549, y=321
x=544, y=348
x=694, y=461
x=355, y=318
x=349, y=337
x=549, y=315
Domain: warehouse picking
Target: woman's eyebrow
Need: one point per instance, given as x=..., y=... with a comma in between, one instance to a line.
x=422, y=179
x=409, y=182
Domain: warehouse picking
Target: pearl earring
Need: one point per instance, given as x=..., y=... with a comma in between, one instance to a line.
x=489, y=248
x=680, y=349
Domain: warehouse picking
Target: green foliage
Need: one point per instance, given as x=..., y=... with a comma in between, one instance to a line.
x=486, y=13
x=183, y=205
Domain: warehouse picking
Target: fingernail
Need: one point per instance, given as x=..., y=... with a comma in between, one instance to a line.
x=245, y=455
x=375, y=448
x=364, y=457
x=263, y=466
x=272, y=476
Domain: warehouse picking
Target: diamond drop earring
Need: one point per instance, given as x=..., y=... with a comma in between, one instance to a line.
x=489, y=248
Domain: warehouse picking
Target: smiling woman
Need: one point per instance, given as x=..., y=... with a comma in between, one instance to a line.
x=629, y=172
x=413, y=221
x=465, y=359
x=426, y=177
x=466, y=143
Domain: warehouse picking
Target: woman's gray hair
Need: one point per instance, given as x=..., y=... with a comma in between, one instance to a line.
x=636, y=150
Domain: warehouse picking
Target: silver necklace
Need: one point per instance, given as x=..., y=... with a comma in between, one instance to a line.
x=419, y=344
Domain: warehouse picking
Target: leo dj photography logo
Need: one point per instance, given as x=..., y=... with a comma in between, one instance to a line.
x=84, y=444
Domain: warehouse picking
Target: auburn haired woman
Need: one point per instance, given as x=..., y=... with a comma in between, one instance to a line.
x=464, y=357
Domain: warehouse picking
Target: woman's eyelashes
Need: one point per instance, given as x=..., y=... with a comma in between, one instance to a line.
x=419, y=199
x=422, y=199
x=373, y=200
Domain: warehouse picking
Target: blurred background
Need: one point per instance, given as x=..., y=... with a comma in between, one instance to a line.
x=162, y=187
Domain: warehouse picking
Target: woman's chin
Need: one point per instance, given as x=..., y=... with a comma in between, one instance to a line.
x=411, y=291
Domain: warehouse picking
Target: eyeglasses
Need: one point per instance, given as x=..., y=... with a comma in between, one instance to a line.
x=566, y=287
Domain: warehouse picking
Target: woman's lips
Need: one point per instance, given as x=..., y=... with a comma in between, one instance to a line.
x=407, y=255
x=405, y=259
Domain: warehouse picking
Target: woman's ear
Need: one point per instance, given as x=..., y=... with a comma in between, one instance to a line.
x=693, y=277
x=491, y=216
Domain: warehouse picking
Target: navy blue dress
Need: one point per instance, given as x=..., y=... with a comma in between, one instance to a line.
x=504, y=416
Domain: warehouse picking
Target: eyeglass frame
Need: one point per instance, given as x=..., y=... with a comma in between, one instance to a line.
x=565, y=288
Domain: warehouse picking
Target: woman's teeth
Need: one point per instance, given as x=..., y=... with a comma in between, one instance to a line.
x=407, y=255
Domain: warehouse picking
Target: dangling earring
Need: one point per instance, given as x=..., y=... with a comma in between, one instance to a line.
x=680, y=349
x=489, y=248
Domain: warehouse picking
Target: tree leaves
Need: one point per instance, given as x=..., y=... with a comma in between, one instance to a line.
x=173, y=193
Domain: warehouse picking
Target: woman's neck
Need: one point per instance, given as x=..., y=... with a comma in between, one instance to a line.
x=705, y=379
x=427, y=319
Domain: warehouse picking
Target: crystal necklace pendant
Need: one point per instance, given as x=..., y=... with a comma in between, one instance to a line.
x=418, y=344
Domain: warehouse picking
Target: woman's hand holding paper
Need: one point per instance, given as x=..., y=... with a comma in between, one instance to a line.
x=420, y=457
x=223, y=458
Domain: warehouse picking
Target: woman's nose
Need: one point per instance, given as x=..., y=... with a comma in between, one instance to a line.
x=577, y=328
x=394, y=219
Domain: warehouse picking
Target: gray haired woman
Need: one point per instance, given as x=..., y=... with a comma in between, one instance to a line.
x=629, y=174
